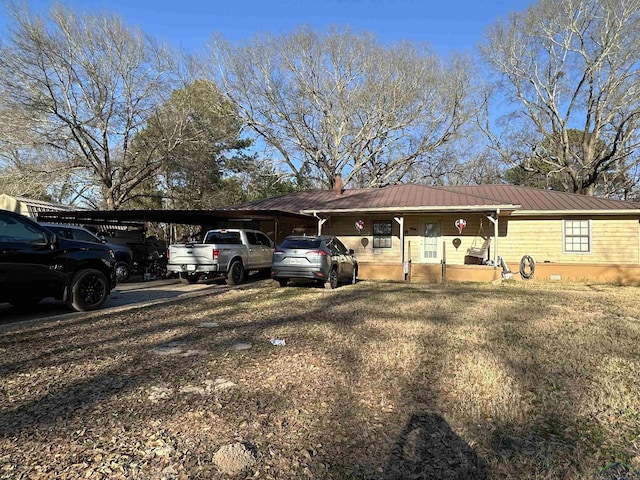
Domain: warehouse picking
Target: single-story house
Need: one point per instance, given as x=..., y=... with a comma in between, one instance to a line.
x=471, y=233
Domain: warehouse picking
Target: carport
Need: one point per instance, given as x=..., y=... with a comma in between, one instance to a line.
x=275, y=223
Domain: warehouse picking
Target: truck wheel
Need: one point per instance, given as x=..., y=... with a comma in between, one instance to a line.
x=236, y=273
x=283, y=281
x=122, y=272
x=89, y=290
x=189, y=279
x=333, y=278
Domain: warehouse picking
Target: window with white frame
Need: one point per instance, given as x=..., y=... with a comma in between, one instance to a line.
x=382, y=232
x=577, y=236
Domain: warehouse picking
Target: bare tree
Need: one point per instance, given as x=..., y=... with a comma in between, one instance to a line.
x=570, y=66
x=28, y=168
x=340, y=103
x=91, y=83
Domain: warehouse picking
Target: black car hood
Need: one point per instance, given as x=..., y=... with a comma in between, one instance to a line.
x=66, y=243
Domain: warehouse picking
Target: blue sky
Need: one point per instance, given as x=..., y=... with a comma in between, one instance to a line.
x=456, y=25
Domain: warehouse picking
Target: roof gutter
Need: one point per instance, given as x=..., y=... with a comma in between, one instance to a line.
x=558, y=213
x=453, y=209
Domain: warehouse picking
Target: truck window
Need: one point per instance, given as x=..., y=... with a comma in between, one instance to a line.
x=252, y=238
x=85, y=236
x=263, y=239
x=224, y=238
x=14, y=230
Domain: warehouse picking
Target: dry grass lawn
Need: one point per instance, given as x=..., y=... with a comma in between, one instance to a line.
x=376, y=381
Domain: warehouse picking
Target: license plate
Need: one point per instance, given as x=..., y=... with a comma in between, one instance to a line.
x=295, y=261
x=188, y=268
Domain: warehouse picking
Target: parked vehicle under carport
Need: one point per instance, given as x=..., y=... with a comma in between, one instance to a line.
x=122, y=253
x=35, y=263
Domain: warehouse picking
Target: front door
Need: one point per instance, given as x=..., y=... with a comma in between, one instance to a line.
x=430, y=242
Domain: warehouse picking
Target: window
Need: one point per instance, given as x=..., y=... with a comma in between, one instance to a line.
x=577, y=236
x=340, y=247
x=14, y=230
x=252, y=238
x=85, y=236
x=300, y=243
x=224, y=238
x=263, y=239
x=382, y=234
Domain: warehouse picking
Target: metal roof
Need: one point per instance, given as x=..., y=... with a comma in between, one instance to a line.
x=535, y=199
x=396, y=197
x=30, y=206
x=403, y=198
x=135, y=217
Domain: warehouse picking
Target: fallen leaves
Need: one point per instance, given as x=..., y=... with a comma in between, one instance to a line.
x=159, y=393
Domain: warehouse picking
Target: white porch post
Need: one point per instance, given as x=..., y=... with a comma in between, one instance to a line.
x=495, y=234
x=400, y=221
x=320, y=222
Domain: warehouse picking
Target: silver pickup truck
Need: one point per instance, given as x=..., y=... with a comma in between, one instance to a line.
x=229, y=253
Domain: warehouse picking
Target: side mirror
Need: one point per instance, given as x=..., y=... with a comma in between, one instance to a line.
x=352, y=251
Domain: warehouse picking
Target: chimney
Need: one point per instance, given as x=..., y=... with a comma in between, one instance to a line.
x=338, y=185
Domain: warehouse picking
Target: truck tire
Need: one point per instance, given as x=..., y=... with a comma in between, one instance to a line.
x=236, y=273
x=189, y=278
x=89, y=290
x=122, y=271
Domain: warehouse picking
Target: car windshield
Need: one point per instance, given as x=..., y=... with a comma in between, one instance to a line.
x=300, y=243
x=225, y=238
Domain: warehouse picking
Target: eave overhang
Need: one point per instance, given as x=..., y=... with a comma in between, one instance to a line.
x=564, y=213
x=501, y=209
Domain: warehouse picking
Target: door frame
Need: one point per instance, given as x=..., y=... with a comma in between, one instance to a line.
x=438, y=240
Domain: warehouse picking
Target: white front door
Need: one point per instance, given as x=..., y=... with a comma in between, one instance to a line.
x=430, y=242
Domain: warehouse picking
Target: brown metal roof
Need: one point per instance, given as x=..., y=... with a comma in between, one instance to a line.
x=543, y=200
x=415, y=197
x=396, y=198
x=403, y=196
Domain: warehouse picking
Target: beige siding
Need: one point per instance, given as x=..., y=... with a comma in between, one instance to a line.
x=362, y=242
x=613, y=240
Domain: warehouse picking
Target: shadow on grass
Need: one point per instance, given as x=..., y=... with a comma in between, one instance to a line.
x=419, y=445
x=429, y=449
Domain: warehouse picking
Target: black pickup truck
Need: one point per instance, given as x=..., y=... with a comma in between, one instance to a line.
x=36, y=263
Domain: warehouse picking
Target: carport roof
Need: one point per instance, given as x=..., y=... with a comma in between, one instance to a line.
x=187, y=217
